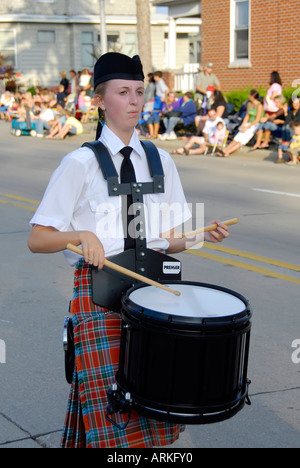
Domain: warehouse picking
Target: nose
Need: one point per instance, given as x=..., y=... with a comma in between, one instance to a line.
x=133, y=98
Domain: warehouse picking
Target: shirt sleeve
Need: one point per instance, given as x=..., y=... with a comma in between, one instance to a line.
x=61, y=196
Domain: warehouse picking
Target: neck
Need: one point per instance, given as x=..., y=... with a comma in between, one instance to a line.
x=124, y=135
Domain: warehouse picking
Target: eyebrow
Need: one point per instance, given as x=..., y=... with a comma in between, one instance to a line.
x=127, y=87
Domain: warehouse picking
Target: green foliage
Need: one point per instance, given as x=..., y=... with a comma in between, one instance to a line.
x=238, y=96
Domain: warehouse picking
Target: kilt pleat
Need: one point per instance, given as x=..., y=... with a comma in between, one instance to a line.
x=97, y=345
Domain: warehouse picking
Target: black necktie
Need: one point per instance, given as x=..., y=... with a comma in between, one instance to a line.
x=127, y=176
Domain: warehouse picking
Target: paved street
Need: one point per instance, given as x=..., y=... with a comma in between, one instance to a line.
x=260, y=260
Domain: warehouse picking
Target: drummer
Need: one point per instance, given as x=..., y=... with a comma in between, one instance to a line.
x=74, y=209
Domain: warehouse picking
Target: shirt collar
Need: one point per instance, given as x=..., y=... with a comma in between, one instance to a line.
x=115, y=144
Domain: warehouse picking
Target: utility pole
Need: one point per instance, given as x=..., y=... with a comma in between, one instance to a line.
x=144, y=34
x=103, y=28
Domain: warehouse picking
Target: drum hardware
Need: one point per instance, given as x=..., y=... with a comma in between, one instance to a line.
x=69, y=349
x=118, y=402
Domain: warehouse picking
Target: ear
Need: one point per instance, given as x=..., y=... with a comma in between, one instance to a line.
x=99, y=101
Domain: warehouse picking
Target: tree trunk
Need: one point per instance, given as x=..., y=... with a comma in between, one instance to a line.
x=144, y=34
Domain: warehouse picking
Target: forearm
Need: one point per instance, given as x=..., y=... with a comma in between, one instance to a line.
x=48, y=240
x=178, y=244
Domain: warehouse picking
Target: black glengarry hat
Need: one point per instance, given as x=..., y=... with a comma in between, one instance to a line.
x=113, y=65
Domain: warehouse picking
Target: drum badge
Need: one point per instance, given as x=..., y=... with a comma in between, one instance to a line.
x=171, y=268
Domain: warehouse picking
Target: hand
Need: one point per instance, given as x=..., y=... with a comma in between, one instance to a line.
x=92, y=249
x=218, y=235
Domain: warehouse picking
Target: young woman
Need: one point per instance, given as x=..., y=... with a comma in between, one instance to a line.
x=248, y=127
x=77, y=209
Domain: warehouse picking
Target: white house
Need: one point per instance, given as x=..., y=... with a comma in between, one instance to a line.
x=40, y=38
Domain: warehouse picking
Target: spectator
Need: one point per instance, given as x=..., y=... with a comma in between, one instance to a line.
x=293, y=149
x=64, y=81
x=161, y=89
x=218, y=103
x=61, y=96
x=209, y=136
x=293, y=114
x=248, y=127
x=153, y=122
x=188, y=113
x=71, y=126
x=271, y=123
x=84, y=105
x=44, y=120
x=275, y=90
x=85, y=82
x=58, y=124
x=73, y=82
x=150, y=89
x=287, y=132
x=206, y=82
x=7, y=103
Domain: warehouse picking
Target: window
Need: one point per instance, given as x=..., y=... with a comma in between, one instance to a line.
x=242, y=30
x=130, y=44
x=87, y=50
x=46, y=37
x=8, y=47
x=240, y=33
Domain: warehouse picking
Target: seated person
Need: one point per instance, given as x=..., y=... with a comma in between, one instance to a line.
x=248, y=127
x=271, y=123
x=293, y=149
x=188, y=113
x=218, y=103
x=153, y=121
x=71, y=126
x=84, y=105
x=210, y=135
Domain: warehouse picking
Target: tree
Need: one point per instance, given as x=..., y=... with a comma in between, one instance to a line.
x=144, y=34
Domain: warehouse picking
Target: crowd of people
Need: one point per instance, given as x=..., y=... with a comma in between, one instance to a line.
x=204, y=113
x=51, y=113
x=214, y=123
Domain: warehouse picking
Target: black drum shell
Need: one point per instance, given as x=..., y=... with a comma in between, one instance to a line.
x=184, y=369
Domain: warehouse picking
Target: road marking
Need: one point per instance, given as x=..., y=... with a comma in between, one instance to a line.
x=15, y=197
x=245, y=266
x=257, y=258
x=287, y=194
x=19, y=205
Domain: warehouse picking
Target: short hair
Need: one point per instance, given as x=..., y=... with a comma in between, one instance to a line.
x=295, y=123
x=280, y=98
x=189, y=94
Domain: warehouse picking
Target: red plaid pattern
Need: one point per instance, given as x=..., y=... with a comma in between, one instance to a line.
x=97, y=344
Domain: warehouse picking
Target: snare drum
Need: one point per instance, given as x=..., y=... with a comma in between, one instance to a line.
x=184, y=359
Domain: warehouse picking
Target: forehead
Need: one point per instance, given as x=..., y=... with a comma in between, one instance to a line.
x=131, y=84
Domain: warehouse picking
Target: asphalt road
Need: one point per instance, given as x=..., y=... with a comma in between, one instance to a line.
x=260, y=260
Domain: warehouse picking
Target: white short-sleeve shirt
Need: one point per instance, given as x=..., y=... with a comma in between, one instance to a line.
x=77, y=198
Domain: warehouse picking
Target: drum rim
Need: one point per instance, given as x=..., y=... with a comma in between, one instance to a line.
x=149, y=314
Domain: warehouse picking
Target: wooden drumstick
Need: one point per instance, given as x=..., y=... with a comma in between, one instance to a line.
x=125, y=271
x=212, y=227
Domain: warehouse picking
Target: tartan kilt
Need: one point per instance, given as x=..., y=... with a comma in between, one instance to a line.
x=97, y=334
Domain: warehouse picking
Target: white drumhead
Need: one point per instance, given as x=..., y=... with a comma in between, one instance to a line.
x=195, y=301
